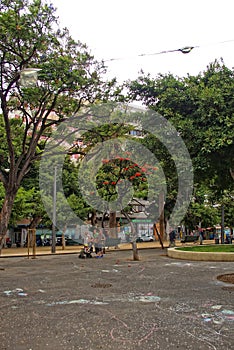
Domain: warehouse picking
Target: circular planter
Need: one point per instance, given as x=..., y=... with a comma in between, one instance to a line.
x=199, y=256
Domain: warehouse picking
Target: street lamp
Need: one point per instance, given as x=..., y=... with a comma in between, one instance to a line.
x=222, y=223
x=53, y=245
x=28, y=77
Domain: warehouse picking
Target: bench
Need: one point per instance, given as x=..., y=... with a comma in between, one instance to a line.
x=189, y=238
x=112, y=242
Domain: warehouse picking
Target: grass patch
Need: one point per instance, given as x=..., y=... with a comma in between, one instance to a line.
x=217, y=248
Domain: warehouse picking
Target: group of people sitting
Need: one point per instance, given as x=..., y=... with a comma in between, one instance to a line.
x=94, y=240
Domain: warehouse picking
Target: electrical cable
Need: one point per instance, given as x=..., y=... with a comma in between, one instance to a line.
x=184, y=50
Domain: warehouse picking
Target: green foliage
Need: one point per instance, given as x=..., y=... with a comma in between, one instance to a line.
x=197, y=213
x=68, y=77
x=229, y=248
x=26, y=203
x=17, y=141
x=79, y=206
x=2, y=194
x=167, y=163
x=115, y=171
x=201, y=109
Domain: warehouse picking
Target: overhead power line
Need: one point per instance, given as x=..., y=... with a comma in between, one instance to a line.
x=184, y=50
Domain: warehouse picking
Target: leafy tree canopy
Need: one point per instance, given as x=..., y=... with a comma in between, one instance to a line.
x=68, y=77
x=201, y=109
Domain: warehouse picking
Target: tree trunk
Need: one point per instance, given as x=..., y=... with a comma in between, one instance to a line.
x=232, y=173
x=161, y=217
x=35, y=222
x=135, y=251
x=63, y=237
x=112, y=225
x=134, y=245
x=5, y=215
x=158, y=235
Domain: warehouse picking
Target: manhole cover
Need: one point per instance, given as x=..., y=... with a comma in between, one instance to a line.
x=228, y=288
x=228, y=278
x=101, y=285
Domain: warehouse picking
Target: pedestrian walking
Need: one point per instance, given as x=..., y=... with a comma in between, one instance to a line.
x=201, y=235
x=172, y=237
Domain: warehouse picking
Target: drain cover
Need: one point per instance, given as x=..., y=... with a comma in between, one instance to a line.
x=101, y=285
x=227, y=278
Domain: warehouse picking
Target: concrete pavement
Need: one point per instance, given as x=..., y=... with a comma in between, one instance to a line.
x=114, y=303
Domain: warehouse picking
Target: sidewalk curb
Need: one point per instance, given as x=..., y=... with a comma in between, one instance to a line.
x=77, y=251
x=199, y=256
x=23, y=253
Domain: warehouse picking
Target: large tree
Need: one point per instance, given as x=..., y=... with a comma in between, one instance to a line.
x=201, y=109
x=69, y=77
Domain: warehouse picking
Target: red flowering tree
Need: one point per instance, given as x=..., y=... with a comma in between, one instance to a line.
x=116, y=178
x=115, y=171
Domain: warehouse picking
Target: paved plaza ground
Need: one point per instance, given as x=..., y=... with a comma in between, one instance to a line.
x=62, y=302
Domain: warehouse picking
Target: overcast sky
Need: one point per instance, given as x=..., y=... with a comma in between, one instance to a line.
x=127, y=28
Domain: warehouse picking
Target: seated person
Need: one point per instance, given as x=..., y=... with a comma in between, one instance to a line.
x=85, y=252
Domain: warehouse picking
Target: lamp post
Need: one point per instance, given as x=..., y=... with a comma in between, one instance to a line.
x=28, y=77
x=161, y=217
x=53, y=245
x=222, y=223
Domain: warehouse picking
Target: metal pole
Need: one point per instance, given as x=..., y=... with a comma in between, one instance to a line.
x=53, y=245
x=28, y=242
x=222, y=224
x=34, y=243
x=161, y=217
